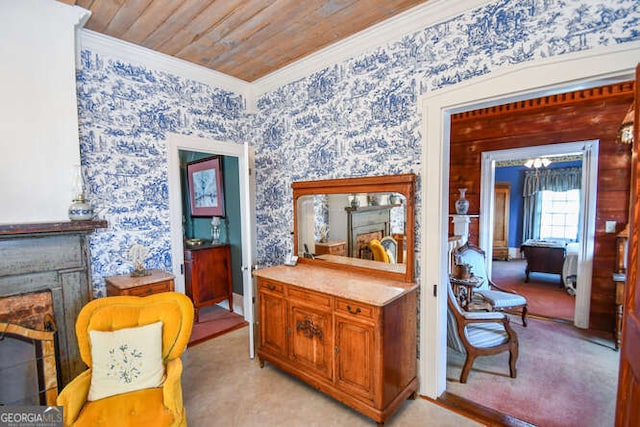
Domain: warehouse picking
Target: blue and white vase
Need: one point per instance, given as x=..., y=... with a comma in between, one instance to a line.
x=462, y=204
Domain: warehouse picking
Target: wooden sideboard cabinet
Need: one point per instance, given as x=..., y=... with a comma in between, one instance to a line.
x=158, y=281
x=347, y=334
x=208, y=277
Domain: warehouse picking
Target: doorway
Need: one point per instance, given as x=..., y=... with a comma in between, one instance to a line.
x=588, y=151
x=553, y=218
x=246, y=193
x=529, y=80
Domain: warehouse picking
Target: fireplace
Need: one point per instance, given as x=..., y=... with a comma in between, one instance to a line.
x=28, y=356
x=366, y=223
x=51, y=258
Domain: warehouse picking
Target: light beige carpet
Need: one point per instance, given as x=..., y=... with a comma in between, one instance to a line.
x=223, y=387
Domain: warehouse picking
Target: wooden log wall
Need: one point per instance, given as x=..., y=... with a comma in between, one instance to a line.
x=576, y=116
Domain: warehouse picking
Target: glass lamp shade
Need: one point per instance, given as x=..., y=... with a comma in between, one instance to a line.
x=77, y=184
x=215, y=230
x=80, y=208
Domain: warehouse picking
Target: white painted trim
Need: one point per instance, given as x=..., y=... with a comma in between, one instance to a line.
x=178, y=142
x=532, y=79
x=588, y=231
x=155, y=60
x=589, y=152
x=384, y=33
x=249, y=241
x=238, y=304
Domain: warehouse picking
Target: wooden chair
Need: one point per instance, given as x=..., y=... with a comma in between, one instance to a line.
x=391, y=246
x=498, y=299
x=479, y=334
x=373, y=250
x=365, y=252
x=379, y=252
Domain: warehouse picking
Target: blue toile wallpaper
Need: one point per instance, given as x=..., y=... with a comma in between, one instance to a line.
x=360, y=117
x=125, y=115
x=355, y=118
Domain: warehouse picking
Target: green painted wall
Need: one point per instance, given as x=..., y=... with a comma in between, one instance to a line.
x=200, y=227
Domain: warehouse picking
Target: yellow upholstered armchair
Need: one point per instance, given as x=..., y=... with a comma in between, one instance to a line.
x=89, y=401
x=379, y=252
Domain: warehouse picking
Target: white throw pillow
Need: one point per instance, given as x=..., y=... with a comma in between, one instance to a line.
x=126, y=360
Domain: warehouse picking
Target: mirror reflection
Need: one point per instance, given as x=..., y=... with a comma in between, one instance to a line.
x=363, y=226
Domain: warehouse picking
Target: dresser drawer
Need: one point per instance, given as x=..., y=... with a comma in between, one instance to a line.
x=309, y=297
x=271, y=286
x=354, y=309
x=144, y=290
x=333, y=247
x=337, y=250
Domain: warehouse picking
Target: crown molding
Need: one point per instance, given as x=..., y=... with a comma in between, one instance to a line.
x=388, y=31
x=83, y=16
x=415, y=19
x=136, y=54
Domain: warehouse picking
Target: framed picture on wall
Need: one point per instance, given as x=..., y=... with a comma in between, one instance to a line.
x=206, y=187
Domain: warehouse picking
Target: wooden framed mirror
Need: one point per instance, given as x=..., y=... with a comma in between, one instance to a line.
x=361, y=224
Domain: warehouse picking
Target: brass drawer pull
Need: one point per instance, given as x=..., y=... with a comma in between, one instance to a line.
x=271, y=287
x=356, y=311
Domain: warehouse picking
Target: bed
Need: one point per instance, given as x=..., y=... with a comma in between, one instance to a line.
x=570, y=268
x=544, y=257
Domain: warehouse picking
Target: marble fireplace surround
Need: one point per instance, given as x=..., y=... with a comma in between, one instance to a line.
x=51, y=257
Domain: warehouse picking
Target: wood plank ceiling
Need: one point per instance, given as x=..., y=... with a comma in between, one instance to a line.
x=247, y=39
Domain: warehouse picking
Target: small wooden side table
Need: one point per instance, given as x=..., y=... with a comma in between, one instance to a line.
x=463, y=288
x=158, y=281
x=332, y=247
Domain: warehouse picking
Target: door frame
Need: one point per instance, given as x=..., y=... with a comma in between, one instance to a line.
x=591, y=68
x=587, y=227
x=244, y=154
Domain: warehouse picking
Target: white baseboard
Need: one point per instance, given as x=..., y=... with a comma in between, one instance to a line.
x=514, y=253
x=238, y=304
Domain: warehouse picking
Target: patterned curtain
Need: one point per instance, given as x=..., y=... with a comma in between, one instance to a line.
x=535, y=181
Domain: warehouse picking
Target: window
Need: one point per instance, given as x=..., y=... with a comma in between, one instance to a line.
x=560, y=215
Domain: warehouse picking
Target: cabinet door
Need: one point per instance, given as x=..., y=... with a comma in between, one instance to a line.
x=355, y=357
x=311, y=342
x=272, y=308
